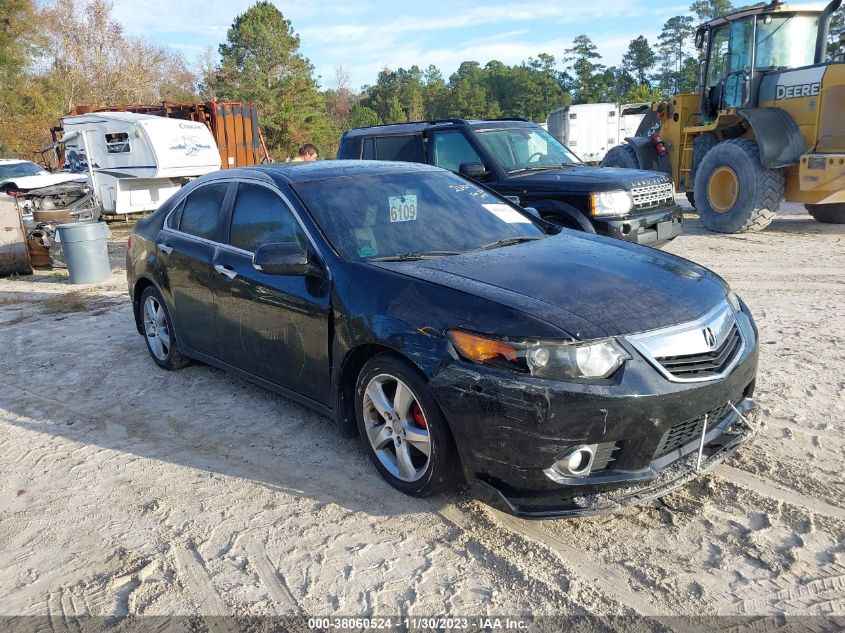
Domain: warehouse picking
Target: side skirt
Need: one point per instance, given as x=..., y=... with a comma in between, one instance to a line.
x=312, y=404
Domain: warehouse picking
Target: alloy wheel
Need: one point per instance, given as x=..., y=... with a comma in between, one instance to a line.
x=397, y=427
x=155, y=328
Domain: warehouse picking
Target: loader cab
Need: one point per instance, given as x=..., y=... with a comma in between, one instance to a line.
x=741, y=47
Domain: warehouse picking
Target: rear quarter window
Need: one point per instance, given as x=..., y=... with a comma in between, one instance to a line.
x=408, y=148
x=201, y=211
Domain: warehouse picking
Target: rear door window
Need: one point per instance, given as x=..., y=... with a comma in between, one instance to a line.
x=408, y=148
x=201, y=211
x=260, y=216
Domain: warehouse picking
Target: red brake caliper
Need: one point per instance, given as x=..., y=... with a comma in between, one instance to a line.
x=419, y=418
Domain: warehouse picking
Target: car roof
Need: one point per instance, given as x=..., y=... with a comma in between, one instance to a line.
x=418, y=126
x=13, y=161
x=319, y=170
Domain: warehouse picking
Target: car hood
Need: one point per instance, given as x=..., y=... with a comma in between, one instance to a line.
x=581, y=178
x=586, y=286
x=25, y=183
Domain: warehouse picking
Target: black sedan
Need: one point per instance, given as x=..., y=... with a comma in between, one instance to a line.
x=558, y=373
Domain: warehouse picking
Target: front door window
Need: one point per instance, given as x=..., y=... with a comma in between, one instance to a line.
x=452, y=149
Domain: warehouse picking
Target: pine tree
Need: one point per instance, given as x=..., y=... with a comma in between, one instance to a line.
x=705, y=10
x=581, y=57
x=674, y=42
x=261, y=64
x=639, y=60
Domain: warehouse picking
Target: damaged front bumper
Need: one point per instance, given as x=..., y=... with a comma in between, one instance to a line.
x=661, y=477
x=515, y=432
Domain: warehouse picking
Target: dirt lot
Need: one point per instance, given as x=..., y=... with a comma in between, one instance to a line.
x=127, y=489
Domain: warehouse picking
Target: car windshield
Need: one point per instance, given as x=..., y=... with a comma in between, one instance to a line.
x=412, y=215
x=16, y=170
x=526, y=149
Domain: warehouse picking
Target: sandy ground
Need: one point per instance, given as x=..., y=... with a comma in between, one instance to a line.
x=128, y=489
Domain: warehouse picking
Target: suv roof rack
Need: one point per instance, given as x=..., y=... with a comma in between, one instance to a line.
x=436, y=121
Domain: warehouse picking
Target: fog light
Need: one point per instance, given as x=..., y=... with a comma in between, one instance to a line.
x=577, y=462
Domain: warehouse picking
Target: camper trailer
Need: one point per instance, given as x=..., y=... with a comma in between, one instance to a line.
x=135, y=161
x=234, y=126
x=591, y=129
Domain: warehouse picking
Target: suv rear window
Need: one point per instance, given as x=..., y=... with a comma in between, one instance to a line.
x=408, y=148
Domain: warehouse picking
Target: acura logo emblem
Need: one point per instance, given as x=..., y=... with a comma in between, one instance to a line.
x=709, y=337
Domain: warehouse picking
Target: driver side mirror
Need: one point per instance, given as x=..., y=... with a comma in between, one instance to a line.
x=283, y=258
x=531, y=211
x=476, y=171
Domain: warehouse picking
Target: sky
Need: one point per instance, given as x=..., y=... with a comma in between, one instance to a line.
x=365, y=36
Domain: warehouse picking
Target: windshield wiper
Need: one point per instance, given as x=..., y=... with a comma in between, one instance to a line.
x=409, y=257
x=537, y=168
x=508, y=241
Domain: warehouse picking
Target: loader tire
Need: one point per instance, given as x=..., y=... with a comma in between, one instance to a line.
x=827, y=213
x=621, y=156
x=734, y=193
x=701, y=144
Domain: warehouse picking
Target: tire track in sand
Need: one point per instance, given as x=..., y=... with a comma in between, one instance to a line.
x=607, y=580
x=778, y=493
x=197, y=583
x=271, y=577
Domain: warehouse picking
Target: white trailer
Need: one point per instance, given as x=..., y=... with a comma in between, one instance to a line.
x=591, y=129
x=136, y=161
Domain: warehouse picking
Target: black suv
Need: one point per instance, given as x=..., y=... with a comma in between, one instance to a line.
x=523, y=162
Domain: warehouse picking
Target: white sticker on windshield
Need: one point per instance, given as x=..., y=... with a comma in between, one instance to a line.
x=403, y=208
x=506, y=213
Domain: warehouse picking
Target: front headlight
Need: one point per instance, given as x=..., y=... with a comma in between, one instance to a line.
x=611, y=203
x=544, y=359
x=733, y=301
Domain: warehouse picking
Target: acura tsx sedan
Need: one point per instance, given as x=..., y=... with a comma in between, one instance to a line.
x=464, y=339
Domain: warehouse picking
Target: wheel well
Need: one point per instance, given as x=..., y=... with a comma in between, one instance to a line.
x=351, y=367
x=140, y=286
x=349, y=370
x=548, y=208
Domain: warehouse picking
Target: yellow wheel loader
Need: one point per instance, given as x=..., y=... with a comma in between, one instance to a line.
x=768, y=122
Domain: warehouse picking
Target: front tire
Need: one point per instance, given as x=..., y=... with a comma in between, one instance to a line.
x=158, y=332
x=402, y=428
x=563, y=222
x=734, y=193
x=827, y=213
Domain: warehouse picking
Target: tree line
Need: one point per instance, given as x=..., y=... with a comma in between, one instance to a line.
x=58, y=54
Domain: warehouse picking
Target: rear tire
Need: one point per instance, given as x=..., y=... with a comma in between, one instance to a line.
x=398, y=430
x=827, y=213
x=158, y=332
x=734, y=193
x=622, y=156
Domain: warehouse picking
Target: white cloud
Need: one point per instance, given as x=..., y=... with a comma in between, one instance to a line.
x=364, y=36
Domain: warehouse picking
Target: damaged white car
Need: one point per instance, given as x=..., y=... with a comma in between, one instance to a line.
x=37, y=190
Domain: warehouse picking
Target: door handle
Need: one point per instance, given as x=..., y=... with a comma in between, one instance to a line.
x=166, y=249
x=226, y=272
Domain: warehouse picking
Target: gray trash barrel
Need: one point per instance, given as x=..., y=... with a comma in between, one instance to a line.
x=86, y=252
